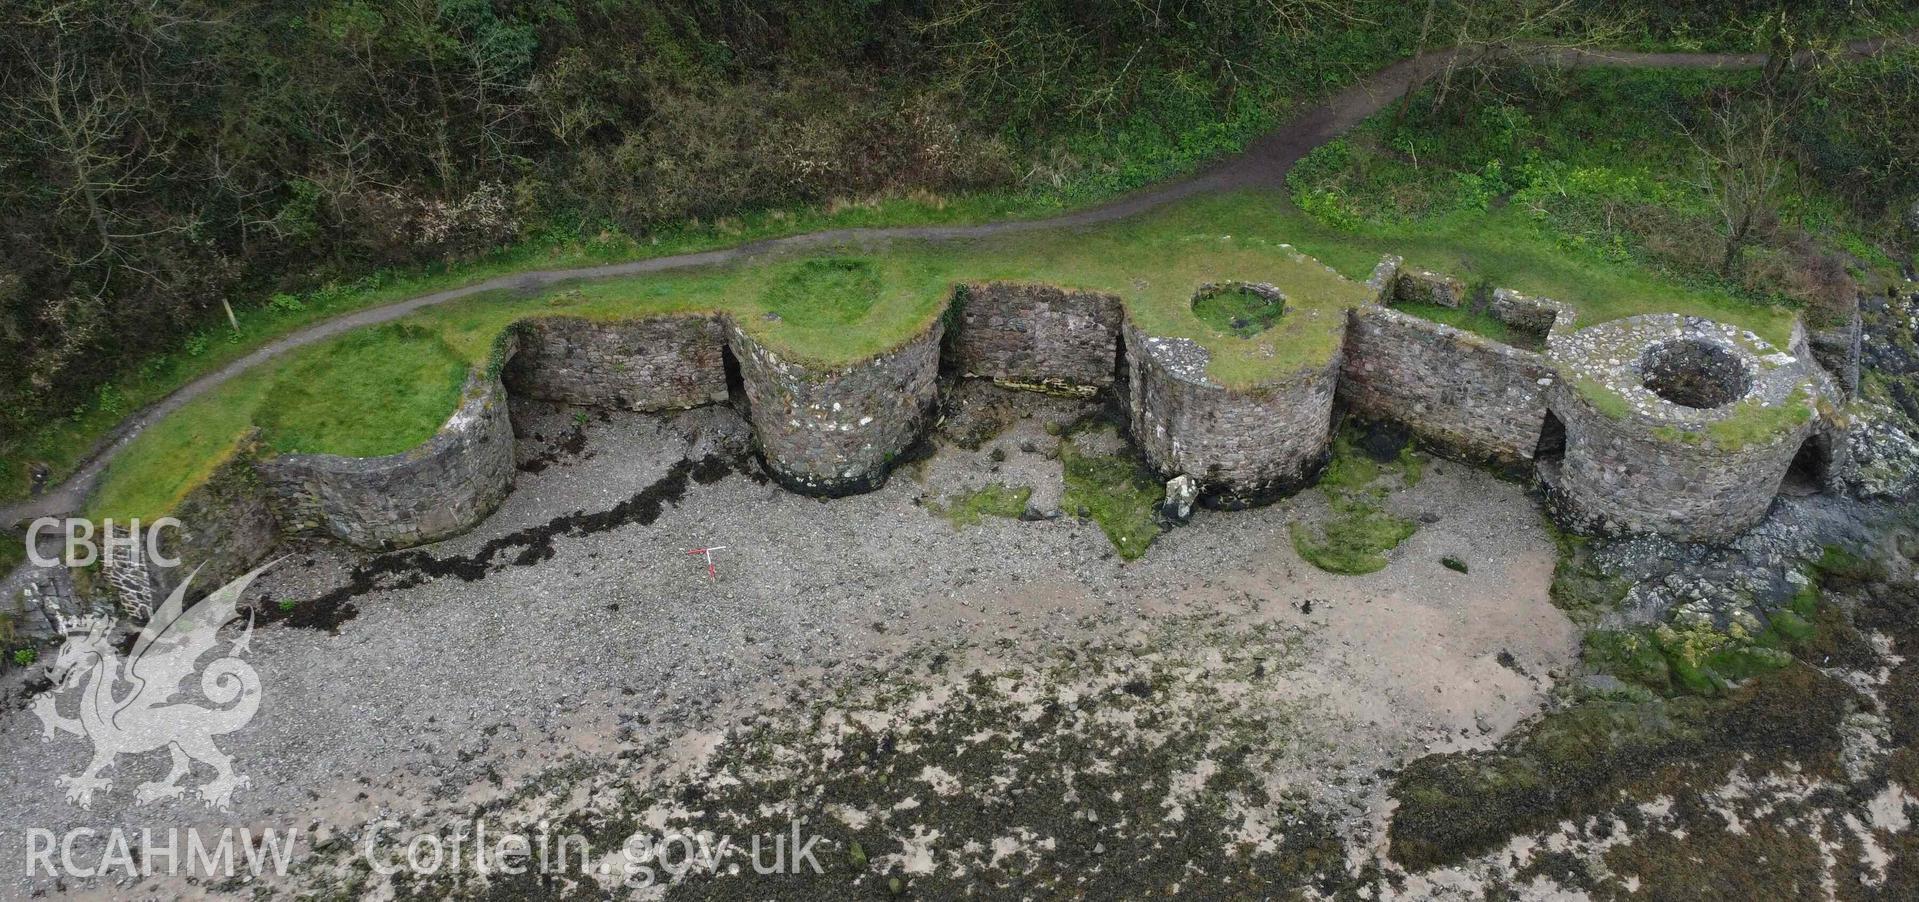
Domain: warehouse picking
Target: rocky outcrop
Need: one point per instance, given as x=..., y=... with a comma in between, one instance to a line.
x=439, y=489
x=1244, y=446
x=659, y=363
x=836, y=430
x=1036, y=336
x=1422, y=287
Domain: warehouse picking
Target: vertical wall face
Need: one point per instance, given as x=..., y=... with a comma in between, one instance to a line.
x=227, y=528
x=437, y=490
x=1689, y=449
x=662, y=363
x=1244, y=447
x=1479, y=397
x=1619, y=479
x=1037, y=335
x=837, y=430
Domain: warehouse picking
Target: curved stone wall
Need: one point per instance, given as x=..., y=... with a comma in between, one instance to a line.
x=1635, y=457
x=1243, y=446
x=1037, y=336
x=661, y=363
x=836, y=430
x=439, y=489
x=227, y=528
x=1467, y=393
x=1647, y=463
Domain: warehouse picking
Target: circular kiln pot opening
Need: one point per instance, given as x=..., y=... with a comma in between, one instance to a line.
x=1244, y=309
x=1694, y=373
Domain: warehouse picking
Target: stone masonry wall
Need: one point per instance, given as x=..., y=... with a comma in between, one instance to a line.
x=1653, y=465
x=836, y=431
x=1620, y=479
x=441, y=488
x=1037, y=335
x=661, y=363
x=227, y=527
x=1243, y=447
x=1460, y=390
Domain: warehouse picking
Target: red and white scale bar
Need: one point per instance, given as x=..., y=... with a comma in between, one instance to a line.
x=712, y=572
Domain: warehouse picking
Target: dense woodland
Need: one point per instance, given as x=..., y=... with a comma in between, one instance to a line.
x=164, y=160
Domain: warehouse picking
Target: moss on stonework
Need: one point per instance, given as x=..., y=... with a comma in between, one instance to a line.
x=1118, y=492
x=1468, y=319
x=1754, y=422
x=995, y=500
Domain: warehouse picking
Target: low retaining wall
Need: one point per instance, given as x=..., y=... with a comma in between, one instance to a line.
x=439, y=489
x=1243, y=446
x=662, y=363
x=227, y=527
x=1037, y=336
x=836, y=431
x=1462, y=391
x=1655, y=465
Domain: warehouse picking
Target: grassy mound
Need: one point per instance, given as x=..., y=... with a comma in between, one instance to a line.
x=416, y=376
x=834, y=291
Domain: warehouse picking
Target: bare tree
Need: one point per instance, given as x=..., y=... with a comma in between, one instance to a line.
x=1742, y=163
x=1484, y=38
x=1742, y=144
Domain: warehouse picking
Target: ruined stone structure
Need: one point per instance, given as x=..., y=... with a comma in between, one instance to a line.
x=1657, y=423
x=659, y=363
x=439, y=489
x=1466, y=393
x=1036, y=336
x=1242, y=445
x=1676, y=425
x=836, y=430
x=226, y=528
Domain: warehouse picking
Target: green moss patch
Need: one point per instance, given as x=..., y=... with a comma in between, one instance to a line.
x=412, y=377
x=992, y=501
x=1353, y=541
x=1357, y=531
x=1476, y=321
x=1118, y=492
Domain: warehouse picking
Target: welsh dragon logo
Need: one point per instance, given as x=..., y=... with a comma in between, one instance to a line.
x=128, y=703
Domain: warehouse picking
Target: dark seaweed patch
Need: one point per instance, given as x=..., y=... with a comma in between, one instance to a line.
x=569, y=446
x=406, y=569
